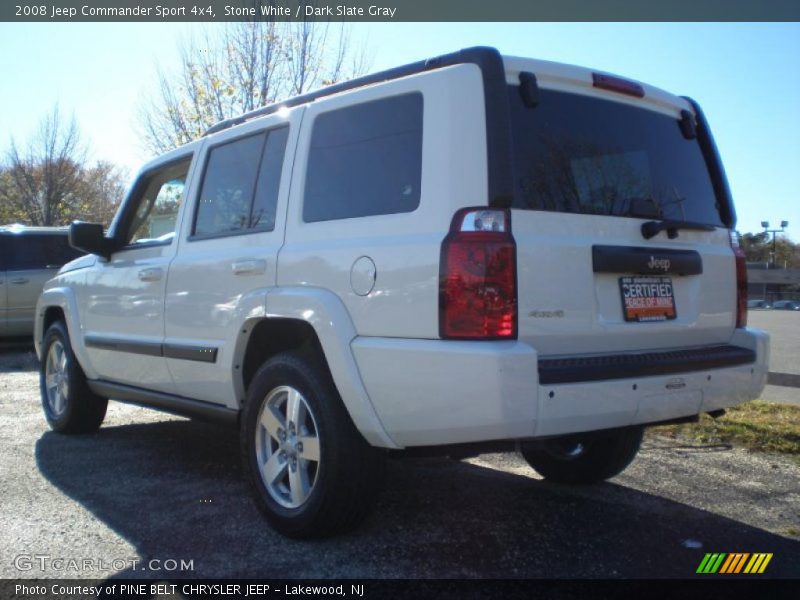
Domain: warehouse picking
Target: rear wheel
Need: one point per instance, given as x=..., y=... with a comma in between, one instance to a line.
x=584, y=458
x=69, y=405
x=312, y=473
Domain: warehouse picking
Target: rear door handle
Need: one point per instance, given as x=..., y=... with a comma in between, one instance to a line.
x=249, y=266
x=20, y=280
x=153, y=274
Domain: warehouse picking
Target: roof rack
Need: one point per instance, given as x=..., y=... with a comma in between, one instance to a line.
x=19, y=228
x=484, y=57
x=498, y=127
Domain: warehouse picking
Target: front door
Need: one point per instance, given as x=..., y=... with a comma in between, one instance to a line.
x=123, y=302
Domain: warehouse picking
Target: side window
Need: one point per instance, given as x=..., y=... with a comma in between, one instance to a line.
x=40, y=251
x=157, y=208
x=265, y=202
x=365, y=160
x=240, y=185
x=27, y=252
x=59, y=252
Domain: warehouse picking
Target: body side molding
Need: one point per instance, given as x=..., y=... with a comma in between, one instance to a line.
x=178, y=405
x=196, y=353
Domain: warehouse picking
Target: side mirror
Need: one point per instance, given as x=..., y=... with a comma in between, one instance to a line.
x=89, y=238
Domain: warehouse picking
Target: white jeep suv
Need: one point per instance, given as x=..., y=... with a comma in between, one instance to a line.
x=469, y=252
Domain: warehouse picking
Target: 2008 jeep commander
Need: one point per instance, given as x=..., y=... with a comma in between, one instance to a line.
x=469, y=249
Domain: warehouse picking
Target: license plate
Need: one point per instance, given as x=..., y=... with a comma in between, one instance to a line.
x=646, y=299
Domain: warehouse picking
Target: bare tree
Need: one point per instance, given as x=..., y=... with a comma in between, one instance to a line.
x=49, y=182
x=241, y=67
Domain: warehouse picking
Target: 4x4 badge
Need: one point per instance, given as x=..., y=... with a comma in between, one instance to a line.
x=676, y=383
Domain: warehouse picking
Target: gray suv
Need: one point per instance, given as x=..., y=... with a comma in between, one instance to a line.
x=29, y=256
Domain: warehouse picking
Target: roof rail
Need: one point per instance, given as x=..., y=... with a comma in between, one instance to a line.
x=498, y=126
x=481, y=56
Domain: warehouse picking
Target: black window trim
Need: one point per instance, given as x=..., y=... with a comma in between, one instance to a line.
x=127, y=214
x=194, y=237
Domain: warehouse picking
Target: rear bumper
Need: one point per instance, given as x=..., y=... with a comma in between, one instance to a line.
x=432, y=392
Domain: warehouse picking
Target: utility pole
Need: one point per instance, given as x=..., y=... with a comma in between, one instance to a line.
x=774, y=232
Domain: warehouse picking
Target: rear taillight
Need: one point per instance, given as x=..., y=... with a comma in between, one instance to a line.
x=741, y=283
x=478, y=277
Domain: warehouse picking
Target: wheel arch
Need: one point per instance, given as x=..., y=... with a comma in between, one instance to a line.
x=61, y=303
x=312, y=321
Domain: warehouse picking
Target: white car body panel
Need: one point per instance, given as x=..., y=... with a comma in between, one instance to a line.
x=432, y=392
x=565, y=308
x=404, y=247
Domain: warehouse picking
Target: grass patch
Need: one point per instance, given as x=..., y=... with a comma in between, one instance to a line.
x=757, y=425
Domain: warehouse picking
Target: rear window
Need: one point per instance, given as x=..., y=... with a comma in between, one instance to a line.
x=585, y=155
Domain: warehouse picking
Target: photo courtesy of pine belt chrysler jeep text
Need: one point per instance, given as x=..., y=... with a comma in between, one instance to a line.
x=466, y=253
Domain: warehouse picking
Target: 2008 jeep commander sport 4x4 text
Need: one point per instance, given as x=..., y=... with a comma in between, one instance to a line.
x=468, y=252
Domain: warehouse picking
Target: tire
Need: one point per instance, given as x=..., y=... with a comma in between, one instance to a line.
x=584, y=458
x=312, y=475
x=69, y=405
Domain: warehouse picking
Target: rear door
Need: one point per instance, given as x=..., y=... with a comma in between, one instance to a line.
x=228, y=252
x=591, y=167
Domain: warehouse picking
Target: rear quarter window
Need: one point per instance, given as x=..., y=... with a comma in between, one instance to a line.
x=365, y=160
x=580, y=154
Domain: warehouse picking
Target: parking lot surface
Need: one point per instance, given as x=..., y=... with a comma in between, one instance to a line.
x=784, y=331
x=150, y=488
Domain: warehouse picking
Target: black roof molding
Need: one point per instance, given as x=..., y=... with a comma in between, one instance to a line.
x=498, y=126
x=481, y=56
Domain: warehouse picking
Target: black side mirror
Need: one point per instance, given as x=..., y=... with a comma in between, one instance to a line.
x=89, y=238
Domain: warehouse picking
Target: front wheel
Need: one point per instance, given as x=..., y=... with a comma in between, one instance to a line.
x=584, y=458
x=69, y=405
x=311, y=471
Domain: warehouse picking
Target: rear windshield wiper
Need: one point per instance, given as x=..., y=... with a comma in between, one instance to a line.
x=653, y=228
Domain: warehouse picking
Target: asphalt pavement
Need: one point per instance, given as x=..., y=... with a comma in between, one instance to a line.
x=149, y=489
x=783, y=326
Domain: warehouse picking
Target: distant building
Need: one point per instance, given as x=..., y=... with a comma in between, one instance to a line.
x=765, y=283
